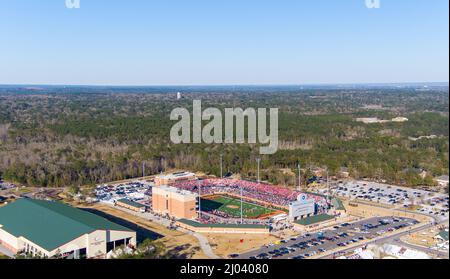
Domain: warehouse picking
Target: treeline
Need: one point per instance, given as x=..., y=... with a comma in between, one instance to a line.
x=78, y=139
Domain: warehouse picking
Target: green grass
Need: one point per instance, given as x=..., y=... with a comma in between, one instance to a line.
x=232, y=206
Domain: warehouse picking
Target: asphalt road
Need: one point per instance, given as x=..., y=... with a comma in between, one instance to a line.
x=396, y=238
x=327, y=245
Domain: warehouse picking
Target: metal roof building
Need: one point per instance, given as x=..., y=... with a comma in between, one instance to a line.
x=48, y=229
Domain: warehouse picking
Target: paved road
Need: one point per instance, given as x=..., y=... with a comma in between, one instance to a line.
x=204, y=244
x=304, y=246
x=388, y=239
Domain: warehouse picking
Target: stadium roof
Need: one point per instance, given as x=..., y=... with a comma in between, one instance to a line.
x=337, y=203
x=50, y=224
x=444, y=235
x=314, y=219
x=230, y=226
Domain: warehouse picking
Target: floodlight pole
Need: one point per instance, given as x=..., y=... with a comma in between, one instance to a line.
x=221, y=165
x=143, y=169
x=299, y=177
x=258, y=160
x=242, y=206
x=328, y=187
x=199, y=201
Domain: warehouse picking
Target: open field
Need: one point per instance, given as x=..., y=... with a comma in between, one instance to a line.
x=232, y=207
x=424, y=238
x=178, y=244
x=226, y=244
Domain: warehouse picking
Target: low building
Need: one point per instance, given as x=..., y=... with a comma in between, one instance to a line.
x=131, y=205
x=344, y=173
x=171, y=179
x=370, y=120
x=338, y=206
x=52, y=229
x=318, y=172
x=442, y=236
x=174, y=202
x=442, y=180
x=314, y=222
x=400, y=119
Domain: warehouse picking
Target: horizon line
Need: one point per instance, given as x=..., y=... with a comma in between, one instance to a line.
x=229, y=85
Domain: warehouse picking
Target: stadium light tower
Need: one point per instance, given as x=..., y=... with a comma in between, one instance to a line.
x=242, y=206
x=221, y=166
x=299, y=177
x=328, y=187
x=143, y=169
x=258, y=160
x=199, y=200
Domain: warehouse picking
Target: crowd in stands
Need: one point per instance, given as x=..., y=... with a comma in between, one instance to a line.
x=275, y=195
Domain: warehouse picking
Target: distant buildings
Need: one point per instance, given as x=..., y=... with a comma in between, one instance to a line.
x=400, y=119
x=423, y=137
x=442, y=180
x=179, y=96
x=344, y=173
x=370, y=120
x=375, y=120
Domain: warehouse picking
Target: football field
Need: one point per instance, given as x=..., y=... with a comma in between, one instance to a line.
x=232, y=207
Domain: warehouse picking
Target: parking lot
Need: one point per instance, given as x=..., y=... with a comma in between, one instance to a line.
x=309, y=245
x=430, y=203
x=134, y=191
x=6, y=186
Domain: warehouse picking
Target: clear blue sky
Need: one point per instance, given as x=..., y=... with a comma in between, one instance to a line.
x=182, y=42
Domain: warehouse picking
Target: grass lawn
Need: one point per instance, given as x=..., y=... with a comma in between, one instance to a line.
x=232, y=207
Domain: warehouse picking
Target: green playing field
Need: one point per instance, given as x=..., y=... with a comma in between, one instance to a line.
x=232, y=207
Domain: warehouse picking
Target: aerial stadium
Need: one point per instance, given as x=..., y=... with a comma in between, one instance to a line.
x=231, y=203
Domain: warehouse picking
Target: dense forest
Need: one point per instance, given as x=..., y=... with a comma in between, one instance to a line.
x=54, y=137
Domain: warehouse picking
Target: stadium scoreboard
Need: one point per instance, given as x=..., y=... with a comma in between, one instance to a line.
x=303, y=206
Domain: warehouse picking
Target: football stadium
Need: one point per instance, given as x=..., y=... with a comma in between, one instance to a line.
x=229, y=206
x=231, y=203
